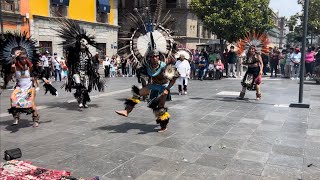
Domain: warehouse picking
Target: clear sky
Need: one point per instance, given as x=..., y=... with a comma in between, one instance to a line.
x=285, y=7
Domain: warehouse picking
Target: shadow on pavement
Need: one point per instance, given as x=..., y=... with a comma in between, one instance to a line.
x=125, y=127
x=233, y=99
x=23, y=123
x=73, y=106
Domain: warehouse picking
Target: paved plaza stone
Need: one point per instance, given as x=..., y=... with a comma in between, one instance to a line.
x=211, y=134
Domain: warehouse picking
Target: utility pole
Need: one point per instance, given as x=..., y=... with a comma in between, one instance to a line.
x=303, y=57
x=1, y=20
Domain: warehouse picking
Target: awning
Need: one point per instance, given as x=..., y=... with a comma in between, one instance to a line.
x=103, y=6
x=60, y=2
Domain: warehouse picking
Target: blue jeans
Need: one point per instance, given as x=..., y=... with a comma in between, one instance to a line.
x=57, y=73
x=202, y=74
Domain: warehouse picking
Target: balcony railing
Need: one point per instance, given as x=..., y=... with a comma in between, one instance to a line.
x=11, y=7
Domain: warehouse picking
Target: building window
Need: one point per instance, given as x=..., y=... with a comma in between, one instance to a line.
x=102, y=18
x=102, y=50
x=45, y=46
x=59, y=8
x=103, y=8
x=198, y=30
x=171, y=3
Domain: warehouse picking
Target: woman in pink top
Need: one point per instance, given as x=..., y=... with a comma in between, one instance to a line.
x=219, y=68
x=309, y=62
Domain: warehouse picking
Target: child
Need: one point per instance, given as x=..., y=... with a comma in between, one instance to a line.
x=219, y=69
x=113, y=70
x=211, y=69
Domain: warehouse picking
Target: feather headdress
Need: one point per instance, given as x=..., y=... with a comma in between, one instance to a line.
x=184, y=51
x=260, y=41
x=148, y=33
x=71, y=32
x=17, y=41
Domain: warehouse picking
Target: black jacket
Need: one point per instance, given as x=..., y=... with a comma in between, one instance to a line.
x=232, y=58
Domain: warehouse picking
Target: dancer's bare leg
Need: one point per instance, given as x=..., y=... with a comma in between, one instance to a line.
x=142, y=92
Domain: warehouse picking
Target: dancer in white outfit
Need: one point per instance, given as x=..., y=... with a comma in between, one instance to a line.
x=183, y=67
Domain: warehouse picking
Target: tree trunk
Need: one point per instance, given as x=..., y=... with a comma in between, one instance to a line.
x=221, y=47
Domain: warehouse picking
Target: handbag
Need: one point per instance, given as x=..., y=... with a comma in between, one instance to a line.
x=12, y=154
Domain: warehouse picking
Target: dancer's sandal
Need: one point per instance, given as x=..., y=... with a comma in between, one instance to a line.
x=241, y=96
x=163, y=130
x=15, y=121
x=258, y=96
x=36, y=120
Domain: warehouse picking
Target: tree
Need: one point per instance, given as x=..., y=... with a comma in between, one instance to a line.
x=233, y=19
x=295, y=27
x=313, y=17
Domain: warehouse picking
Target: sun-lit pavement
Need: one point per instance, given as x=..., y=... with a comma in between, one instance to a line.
x=211, y=135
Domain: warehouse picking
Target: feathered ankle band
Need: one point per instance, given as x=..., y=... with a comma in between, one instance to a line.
x=161, y=114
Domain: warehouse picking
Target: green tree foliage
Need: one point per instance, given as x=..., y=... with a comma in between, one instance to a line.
x=313, y=16
x=232, y=19
x=295, y=22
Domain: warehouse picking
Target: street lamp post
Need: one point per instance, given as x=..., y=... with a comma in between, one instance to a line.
x=303, y=57
x=1, y=20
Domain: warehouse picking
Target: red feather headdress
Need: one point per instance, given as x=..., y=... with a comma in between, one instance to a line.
x=260, y=41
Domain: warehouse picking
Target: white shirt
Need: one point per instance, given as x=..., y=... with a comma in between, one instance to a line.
x=106, y=62
x=296, y=57
x=211, y=67
x=56, y=63
x=45, y=61
x=183, y=68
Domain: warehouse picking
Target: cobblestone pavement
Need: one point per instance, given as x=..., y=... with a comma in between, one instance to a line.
x=211, y=135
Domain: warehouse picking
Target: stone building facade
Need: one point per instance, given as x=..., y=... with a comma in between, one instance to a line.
x=277, y=35
x=97, y=17
x=41, y=29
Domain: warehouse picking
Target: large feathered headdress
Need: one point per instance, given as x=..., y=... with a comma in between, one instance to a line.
x=148, y=33
x=17, y=41
x=185, y=52
x=260, y=41
x=71, y=32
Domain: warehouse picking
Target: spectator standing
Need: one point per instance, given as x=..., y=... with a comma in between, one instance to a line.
x=64, y=68
x=310, y=57
x=96, y=61
x=113, y=68
x=46, y=66
x=239, y=64
x=106, y=66
x=274, y=62
x=225, y=61
x=295, y=59
x=123, y=66
x=265, y=60
x=289, y=63
x=129, y=68
x=283, y=59
x=232, y=60
x=196, y=59
x=212, y=57
x=56, y=67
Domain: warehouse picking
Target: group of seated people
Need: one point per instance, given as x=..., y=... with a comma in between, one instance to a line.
x=213, y=70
